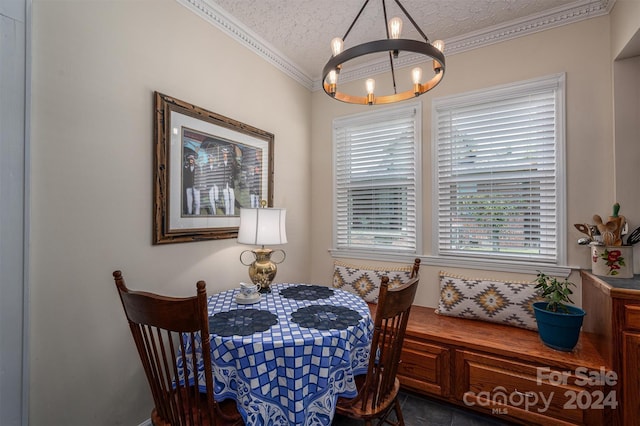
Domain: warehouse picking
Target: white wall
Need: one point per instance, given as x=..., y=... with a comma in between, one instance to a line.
x=95, y=67
x=582, y=51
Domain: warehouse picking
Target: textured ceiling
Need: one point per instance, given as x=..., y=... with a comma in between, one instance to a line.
x=299, y=31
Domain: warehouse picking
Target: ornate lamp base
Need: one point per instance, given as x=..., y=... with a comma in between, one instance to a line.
x=262, y=270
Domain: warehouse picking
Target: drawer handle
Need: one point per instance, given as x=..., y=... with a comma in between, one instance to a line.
x=525, y=394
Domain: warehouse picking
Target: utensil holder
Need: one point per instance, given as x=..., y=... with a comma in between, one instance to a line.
x=612, y=261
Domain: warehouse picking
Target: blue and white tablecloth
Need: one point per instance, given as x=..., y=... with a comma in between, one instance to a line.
x=293, y=372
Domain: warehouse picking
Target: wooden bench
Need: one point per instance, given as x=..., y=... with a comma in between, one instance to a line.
x=505, y=371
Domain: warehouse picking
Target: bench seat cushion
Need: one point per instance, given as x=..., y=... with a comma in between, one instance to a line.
x=505, y=302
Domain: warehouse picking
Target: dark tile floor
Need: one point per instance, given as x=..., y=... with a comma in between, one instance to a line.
x=420, y=411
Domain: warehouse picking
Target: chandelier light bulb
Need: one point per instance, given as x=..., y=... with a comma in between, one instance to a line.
x=438, y=44
x=371, y=85
x=333, y=77
x=337, y=45
x=395, y=27
x=416, y=75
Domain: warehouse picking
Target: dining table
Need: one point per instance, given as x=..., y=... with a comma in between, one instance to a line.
x=286, y=358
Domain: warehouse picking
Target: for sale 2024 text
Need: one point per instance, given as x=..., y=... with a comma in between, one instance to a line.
x=541, y=401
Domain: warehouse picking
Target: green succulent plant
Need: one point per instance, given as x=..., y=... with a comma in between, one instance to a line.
x=556, y=293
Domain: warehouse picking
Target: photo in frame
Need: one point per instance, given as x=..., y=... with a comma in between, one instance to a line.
x=206, y=167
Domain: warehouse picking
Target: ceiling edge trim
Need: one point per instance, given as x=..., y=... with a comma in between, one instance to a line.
x=563, y=15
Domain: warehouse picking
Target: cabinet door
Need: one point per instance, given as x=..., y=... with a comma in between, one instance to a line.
x=631, y=383
x=526, y=392
x=632, y=317
x=424, y=367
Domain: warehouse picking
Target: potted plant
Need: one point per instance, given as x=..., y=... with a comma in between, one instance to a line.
x=558, y=323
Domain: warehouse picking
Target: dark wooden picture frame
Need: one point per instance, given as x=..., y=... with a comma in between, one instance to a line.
x=206, y=167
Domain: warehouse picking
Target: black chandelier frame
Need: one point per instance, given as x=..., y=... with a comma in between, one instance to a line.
x=393, y=46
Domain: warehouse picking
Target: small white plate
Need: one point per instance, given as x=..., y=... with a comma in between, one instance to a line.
x=243, y=300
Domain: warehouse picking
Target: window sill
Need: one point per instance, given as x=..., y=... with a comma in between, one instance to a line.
x=520, y=267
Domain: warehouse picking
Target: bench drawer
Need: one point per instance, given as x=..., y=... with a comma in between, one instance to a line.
x=507, y=388
x=425, y=367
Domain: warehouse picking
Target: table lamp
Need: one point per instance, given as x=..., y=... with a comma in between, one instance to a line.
x=260, y=227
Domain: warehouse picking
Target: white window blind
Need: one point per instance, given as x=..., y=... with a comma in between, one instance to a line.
x=499, y=187
x=376, y=160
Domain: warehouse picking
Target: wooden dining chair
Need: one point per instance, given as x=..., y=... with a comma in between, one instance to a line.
x=378, y=390
x=162, y=327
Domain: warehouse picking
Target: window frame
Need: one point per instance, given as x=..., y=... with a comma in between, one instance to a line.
x=373, y=117
x=555, y=82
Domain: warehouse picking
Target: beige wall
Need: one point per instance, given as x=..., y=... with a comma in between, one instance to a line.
x=625, y=28
x=625, y=42
x=95, y=67
x=626, y=77
x=582, y=52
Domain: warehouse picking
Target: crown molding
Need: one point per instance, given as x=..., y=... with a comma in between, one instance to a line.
x=236, y=30
x=563, y=15
x=552, y=18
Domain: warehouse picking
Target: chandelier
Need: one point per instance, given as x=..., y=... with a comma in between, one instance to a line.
x=393, y=44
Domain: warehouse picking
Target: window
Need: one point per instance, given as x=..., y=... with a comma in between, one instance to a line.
x=498, y=173
x=377, y=174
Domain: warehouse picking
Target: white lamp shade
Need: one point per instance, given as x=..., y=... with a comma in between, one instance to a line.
x=264, y=226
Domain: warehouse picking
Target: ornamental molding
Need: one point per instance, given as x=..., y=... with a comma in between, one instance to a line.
x=563, y=15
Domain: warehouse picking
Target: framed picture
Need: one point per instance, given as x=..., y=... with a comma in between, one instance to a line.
x=206, y=168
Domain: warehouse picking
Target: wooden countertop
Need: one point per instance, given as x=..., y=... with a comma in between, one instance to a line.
x=628, y=288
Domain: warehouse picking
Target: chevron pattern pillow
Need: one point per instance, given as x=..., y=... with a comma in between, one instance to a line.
x=509, y=303
x=365, y=280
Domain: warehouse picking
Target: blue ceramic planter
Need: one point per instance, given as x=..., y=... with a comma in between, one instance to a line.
x=559, y=330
